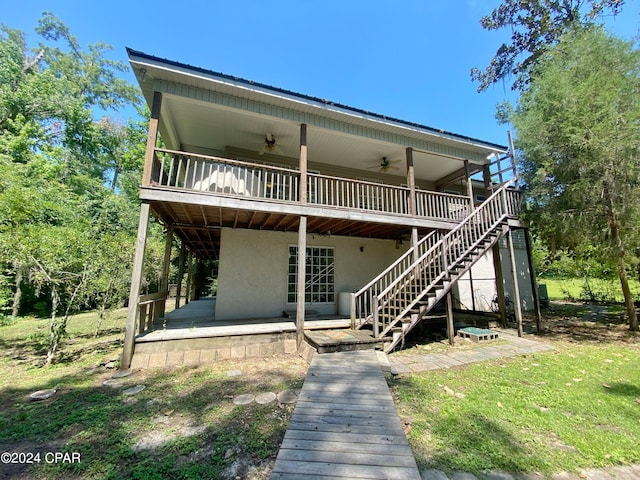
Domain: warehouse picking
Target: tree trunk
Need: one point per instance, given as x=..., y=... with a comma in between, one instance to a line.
x=628, y=297
x=17, y=297
x=100, y=318
x=54, y=337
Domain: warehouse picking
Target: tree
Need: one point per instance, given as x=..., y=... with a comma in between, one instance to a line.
x=535, y=25
x=578, y=136
x=64, y=228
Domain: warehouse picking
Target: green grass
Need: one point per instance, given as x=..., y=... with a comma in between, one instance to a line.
x=183, y=425
x=579, y=289
x=576, y=408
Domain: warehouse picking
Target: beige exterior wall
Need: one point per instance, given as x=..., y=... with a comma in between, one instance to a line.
x=252, y=278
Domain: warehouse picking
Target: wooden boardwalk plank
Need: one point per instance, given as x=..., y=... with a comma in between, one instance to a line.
x=345, y=424
x=398, y=450
x=369, y=420
x=348, y=428
x=380, y=439
x=364, y=458
x=348, y=471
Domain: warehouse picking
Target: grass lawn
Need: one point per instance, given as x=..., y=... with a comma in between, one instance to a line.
x=575, y=289
x=577, y=407
x=183, y=425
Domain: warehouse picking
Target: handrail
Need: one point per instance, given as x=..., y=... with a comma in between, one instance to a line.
x=364, y=296
x=439, y=261
x=478, y=211
x=227, y=160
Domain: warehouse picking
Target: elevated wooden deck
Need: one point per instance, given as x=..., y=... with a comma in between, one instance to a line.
x=345, y=424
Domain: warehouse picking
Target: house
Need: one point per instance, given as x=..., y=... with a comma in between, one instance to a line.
x=390, y=218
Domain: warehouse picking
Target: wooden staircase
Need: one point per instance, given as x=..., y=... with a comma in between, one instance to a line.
x=399, y=298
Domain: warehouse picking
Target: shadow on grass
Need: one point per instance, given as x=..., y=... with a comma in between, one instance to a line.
x=445, y=438
x=623, y=389
x=183, y=425
x=597, y=323
x=69, y=355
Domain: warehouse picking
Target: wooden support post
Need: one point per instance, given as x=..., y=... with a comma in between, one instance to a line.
x=450, y=325
x=486, y=177
x=183, y=250
x=467, y=173
x=164, y=286
x=534, y=282
x=187, y=295
x=516, y=287
x=152, y=138
x=134, y=293
x=413, y=211
x=411, y=182
x=302, y=241
x=497, y=266
x=302, y=278
x=512, y=151
x=303, y=164
x=473, y=295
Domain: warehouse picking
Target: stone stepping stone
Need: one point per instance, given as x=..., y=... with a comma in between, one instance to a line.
x=122, y=374
x=134, y=390
x=114, y=383
x=234, y=373
x=42, y=394
x=264, y=398
x=245, y=399
x=287, y=396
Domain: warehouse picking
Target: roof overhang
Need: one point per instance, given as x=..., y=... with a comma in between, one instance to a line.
x=209, y=112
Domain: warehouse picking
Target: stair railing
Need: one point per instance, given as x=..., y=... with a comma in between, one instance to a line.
x=362, y=300
x=438, y=264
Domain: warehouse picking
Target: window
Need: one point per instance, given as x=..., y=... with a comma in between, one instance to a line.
x=319, y=275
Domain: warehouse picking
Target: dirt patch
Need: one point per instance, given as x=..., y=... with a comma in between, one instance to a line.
x=575, y=322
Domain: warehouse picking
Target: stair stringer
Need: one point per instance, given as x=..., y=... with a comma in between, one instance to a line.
x=442, y=291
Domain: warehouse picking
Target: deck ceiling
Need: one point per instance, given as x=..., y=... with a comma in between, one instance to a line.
x=207, y=112
x=200, y=226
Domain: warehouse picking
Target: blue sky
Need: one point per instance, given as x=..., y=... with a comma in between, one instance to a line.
x=408, y=59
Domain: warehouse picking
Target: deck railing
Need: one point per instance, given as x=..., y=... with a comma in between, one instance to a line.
x=356, y=194
x=150, y=307
x=224, y=176
x=442, y=205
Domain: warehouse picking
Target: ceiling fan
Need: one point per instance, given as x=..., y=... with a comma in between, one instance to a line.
x=270, y=145
x=385, y=165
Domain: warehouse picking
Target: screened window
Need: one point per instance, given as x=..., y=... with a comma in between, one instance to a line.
x=319, y=275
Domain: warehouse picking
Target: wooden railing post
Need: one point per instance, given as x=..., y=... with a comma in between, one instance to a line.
x=152, y=138
x=376, y=317
x=469, y=186
x=164, y=286
x=352, y=310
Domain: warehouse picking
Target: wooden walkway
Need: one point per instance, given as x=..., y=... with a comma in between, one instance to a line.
x=345, y=425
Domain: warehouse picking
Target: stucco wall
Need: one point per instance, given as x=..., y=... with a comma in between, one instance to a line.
x=252, y=277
